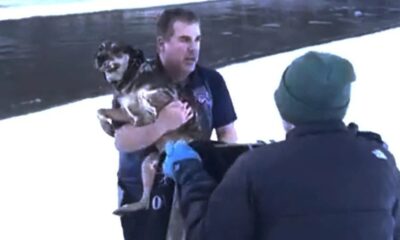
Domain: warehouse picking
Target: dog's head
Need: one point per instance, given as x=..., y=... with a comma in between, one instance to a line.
x=118, y=61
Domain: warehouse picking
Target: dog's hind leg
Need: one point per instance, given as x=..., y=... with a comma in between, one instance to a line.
x=148, y=175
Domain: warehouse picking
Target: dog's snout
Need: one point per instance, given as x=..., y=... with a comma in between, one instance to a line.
x=110, y=66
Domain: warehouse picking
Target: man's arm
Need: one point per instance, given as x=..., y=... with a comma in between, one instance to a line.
x=129, y=138
x=210, y=212
x=224, y=212
x=223, y=111
x=227, y=133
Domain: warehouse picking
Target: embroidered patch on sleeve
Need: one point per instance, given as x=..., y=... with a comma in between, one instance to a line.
x=379, y=154
x=202, y=96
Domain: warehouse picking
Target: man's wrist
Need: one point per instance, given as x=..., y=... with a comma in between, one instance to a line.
x=160, y=127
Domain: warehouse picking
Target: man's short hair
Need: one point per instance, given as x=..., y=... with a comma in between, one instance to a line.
x=170, y=16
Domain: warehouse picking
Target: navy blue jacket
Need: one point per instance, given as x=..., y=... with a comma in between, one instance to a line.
x=324, y=181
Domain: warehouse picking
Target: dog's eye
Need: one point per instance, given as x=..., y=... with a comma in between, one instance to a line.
x=102, y=47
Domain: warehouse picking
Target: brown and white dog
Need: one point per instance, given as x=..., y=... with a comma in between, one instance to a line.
x=141, y=91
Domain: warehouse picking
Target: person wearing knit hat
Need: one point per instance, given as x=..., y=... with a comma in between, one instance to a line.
x=325, y=181
x=315, y=88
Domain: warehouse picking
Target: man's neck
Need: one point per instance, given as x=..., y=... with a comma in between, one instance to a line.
x=176, y=75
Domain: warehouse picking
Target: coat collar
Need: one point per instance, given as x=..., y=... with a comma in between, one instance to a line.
x=316, y=128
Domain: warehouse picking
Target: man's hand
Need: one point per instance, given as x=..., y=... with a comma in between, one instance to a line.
x=130, y=138
x=172, y=116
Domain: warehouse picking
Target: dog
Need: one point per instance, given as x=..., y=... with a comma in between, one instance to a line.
x=119, y=63
x=141, y=91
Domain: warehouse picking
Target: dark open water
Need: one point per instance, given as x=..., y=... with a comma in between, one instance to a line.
x=48, y=61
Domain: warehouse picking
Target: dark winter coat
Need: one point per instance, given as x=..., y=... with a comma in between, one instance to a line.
x=324, y=181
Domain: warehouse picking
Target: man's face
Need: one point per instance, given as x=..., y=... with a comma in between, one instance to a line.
x=180, y=52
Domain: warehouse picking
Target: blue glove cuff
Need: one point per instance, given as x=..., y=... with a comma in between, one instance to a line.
x=177, y=152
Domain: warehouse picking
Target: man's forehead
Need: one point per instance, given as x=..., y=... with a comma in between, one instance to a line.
x=181, y=28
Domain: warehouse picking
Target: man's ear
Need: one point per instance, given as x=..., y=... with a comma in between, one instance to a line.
x=160, y=43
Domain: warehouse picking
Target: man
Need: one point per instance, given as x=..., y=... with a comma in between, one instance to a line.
x=178, y=47
x=325, y=181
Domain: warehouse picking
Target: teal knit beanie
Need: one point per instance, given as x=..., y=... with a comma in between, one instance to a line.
x=314, y=88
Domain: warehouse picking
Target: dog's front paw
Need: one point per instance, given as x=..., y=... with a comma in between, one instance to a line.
x=105, y=122
x=107, y=127
x=101, y=115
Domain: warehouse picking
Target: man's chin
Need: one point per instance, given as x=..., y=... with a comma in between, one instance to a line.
x=190, y=67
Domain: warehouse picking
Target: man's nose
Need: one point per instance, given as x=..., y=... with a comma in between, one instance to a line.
x=194, y=45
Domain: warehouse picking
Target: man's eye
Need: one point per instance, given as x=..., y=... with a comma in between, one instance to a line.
x=185, y=39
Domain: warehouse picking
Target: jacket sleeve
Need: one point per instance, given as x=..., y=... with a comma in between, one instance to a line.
x=215, y=212
x=397, y=210
x=223, y=110
x=384, y=147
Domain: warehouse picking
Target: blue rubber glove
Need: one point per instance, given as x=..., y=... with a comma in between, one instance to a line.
x=177, y=152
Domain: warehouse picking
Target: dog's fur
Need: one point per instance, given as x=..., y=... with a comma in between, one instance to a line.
x=141, y=91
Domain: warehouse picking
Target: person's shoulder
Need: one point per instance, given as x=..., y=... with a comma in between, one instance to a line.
x=372, y=141
x=368, y=136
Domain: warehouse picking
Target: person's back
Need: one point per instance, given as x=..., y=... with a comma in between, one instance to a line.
x=323, y=182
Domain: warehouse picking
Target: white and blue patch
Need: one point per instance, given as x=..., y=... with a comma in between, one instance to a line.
x=379, y=154
x=202, y=96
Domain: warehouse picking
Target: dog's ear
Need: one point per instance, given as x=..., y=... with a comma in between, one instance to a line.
x=103, y=45
x=136, y=56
